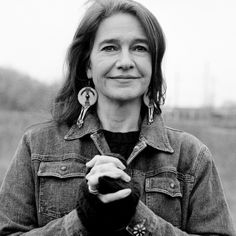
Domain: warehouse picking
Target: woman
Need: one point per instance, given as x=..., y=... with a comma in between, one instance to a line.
x=106, y=164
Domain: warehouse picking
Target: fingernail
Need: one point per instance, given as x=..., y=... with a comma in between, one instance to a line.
x=127, y=179
x=128, y=191
x=87, y=163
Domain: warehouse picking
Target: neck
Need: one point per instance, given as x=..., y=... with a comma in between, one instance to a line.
x=120, y=116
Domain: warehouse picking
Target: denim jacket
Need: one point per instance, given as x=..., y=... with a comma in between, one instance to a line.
x=181, y=190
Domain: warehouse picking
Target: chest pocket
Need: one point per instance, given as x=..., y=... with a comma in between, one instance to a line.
x=58, y=187
x=163, y=195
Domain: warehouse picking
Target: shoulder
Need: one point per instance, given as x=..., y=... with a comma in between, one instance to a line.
x=44, y=131
x=190, y=151
x=185, y=139
x=41, y=128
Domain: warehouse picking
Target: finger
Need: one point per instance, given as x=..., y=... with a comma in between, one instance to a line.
x=105, y=159
x=92, y=180
x=110, y=197
x=101, y=159
x=93, y=190
x=92, y=162
x=113, y=173
x=103, y=168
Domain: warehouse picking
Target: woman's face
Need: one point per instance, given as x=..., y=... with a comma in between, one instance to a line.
x=120, y=61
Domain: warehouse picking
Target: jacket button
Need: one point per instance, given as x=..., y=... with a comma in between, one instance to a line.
x=63, y=168
x=139, y=230
x=172, y=185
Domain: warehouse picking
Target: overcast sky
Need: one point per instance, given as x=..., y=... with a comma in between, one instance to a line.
x=200, y=60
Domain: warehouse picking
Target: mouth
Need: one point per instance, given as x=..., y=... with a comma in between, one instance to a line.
x=124, y=77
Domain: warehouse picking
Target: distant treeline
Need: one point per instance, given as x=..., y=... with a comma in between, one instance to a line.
x=21, y=92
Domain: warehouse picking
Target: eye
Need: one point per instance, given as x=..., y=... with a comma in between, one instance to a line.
x=140, y=48
x=109, y=48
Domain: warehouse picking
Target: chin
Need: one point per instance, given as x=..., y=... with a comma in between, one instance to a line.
x=124, y=97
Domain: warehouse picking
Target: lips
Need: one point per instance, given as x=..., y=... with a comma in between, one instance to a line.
x=124, y=77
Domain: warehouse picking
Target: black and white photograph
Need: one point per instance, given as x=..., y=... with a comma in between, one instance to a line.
x=118, y=117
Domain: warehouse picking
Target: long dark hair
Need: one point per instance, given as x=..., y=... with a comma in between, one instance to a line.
x=66, y=107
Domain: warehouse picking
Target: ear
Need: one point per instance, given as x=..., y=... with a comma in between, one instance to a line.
x=89, y=72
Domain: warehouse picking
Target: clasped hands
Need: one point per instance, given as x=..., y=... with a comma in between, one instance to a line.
x=111, y=167
x=116, y=198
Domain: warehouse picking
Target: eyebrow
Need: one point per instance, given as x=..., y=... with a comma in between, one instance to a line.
x=116, y=41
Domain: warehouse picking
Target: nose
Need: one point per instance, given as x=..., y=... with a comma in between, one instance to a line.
x=125, y=60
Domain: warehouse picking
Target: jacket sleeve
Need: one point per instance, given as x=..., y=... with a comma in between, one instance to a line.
x=18, y=211
x=208, y=210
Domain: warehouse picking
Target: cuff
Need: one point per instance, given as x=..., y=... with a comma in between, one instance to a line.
x=74, y=225
x=143, y=222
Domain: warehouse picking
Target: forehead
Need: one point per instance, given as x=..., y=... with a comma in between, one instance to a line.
x=122, y=26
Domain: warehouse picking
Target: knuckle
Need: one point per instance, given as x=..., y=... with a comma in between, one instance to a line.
x=97, y=168
x=97, y=159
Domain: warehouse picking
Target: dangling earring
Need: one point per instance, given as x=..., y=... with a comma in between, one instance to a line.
x=150, y=105
x=87, y=97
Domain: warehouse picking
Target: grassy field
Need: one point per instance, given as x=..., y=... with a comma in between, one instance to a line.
x=220, y=140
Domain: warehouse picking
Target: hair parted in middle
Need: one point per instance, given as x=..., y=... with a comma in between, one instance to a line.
x=67, y=108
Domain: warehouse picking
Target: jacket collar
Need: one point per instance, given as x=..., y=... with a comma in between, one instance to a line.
x=154, y=135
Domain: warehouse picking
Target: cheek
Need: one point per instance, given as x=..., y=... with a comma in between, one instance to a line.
x=146, y=84
x=99, y=68
x=148, y=74
x=99, y=83
x=146, y=67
